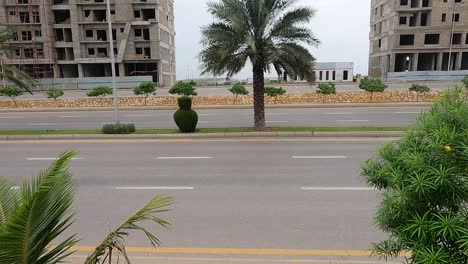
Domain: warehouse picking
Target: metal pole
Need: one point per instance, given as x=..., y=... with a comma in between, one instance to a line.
x=451, y=40
x=111, y=44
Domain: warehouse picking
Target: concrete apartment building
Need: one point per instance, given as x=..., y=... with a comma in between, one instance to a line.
x=66, y=42
x=418, y=40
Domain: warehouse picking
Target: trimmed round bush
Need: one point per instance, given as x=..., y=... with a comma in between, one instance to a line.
x=118, y=129
x=185, y=118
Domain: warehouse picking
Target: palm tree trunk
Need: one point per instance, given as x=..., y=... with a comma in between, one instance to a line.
x=259, y=96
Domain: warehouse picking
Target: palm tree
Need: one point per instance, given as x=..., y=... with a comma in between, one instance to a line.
x=9, y=73
x=264, y=32
x=41, y=211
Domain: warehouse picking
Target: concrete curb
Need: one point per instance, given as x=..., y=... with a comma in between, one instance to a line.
x=208, y=107
x=304, y=134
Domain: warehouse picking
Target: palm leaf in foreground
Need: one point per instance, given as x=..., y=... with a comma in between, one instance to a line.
x=41, y=215
x=8, y=201
x=115, y=240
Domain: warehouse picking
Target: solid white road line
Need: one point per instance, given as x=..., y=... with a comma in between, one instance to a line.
x=39, y=159
x=337, y=189
x=181, y=158
x=319, y=157
x=277, y=121
x=352, y=121
x=11, y=117
x=42, y=124
x=408, y=112
x=70, y=116
x=156, y=188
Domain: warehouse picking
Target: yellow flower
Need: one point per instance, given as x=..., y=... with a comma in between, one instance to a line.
x=447, y=148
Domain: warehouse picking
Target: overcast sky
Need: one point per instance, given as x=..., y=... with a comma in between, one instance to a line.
x=341, y=25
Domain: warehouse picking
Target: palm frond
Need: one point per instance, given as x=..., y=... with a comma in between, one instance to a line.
x=8, y=201
x=114, y=242
x=43, y=214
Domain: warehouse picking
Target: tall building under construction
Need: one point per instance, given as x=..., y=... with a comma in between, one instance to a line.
x=66, y=42
x=418, y=40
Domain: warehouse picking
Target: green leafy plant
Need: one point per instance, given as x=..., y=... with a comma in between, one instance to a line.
x=12, y=92
x=41, y=212
x=146, y=89
x=419, y=89
x=10, y=73
x=372, y=86
x=186, y=118
x=193, y=83
x=424, y=182
x=100, y=92
x=237, y=90
x=54, y=93
x=274, y=92
x=183, y=89
x=118, y=129
x=326, y=89
x=266, y=34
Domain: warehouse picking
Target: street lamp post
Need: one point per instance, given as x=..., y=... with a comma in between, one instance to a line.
x=112, y=55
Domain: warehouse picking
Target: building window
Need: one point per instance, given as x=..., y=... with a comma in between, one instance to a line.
x=456, y=17
x=38, y=33
x=345, y=75
x=136, y=13
x=138, y=32
x=28, y=53
x=139, y=51
x=334, y=75
x=380, y=43
x=321, y=75
x=444, y=17
x=36, y=17
x=403, y=20
x=456, y=39
x=403, y=2
x=327, y=74
x=91, y=51
x=466, y=40
x=12, y=13
x=24, y=17
x=406, y=40
x=431, y=39
x=89, y=33
x=26, y=35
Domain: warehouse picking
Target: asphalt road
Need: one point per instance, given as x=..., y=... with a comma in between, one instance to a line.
x=393, y=116
x=259, y=194
x=223, y=90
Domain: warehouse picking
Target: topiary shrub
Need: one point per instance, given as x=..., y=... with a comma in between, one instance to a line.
x=185, y=118
x=118, y=129
x=145, y=89
x=12, y=92
x=419, y=89
x=237, y=90
x=183, y=89
x=372, y=86
x=424, y=183
x=326, y=88
x=100, y=92
x=274, y=92
x=54, y=93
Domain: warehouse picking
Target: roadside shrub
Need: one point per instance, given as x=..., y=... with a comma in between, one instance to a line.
x=54, y=93
x=419, y=89
x=193, y=83
x=100, y=92
x=372, y=86
x=326, y=89
x=424, y=180
x=183, y=89
x=12, y=92
x=186, y=118
x=274, y=92
x=237, y=90
x=146, y=89
x=118, y=129
x=465, y=85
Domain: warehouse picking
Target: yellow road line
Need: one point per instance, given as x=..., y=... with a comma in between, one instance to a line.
x=240, y=251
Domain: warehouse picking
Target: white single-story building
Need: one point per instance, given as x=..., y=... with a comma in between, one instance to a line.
x=333, y=72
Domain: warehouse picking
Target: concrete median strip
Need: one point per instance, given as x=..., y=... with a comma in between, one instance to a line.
x=272, y=134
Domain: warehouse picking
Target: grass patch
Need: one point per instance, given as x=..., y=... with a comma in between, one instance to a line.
x=203, y=130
